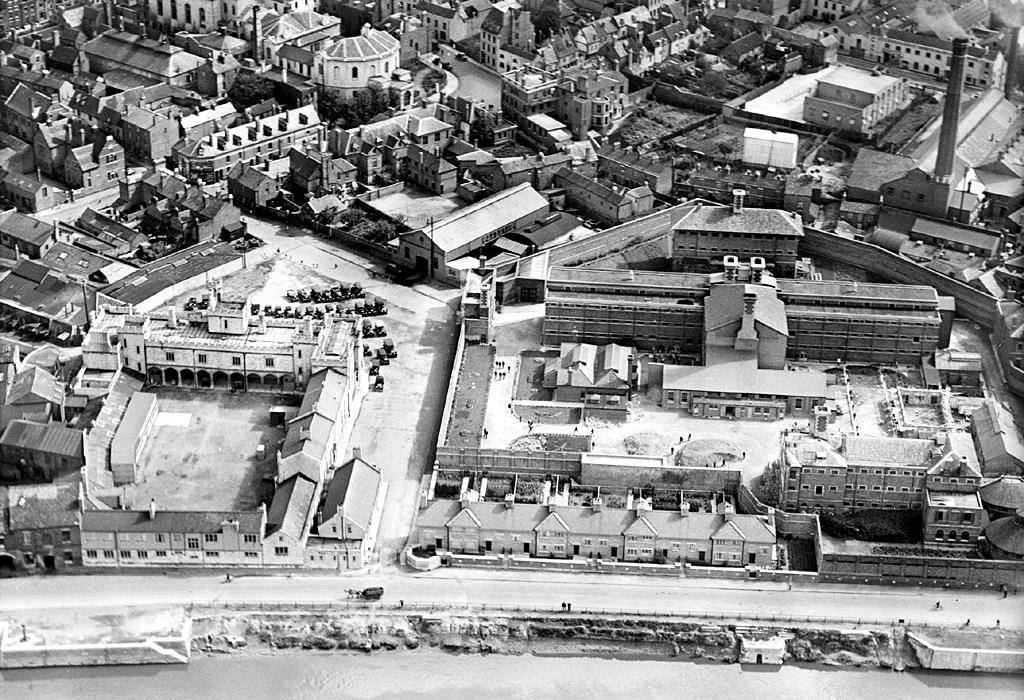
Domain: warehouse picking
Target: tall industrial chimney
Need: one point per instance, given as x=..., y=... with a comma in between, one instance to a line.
x=1011, y=63
x=951, y=112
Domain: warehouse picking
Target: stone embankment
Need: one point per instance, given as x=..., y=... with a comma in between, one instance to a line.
x=565, y=634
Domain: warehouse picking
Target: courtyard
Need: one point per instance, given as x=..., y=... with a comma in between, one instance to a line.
x=202, y=451
x=649, y=430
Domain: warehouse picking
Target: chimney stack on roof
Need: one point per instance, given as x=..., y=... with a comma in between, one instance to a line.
x=946, y=154
x=737, y=200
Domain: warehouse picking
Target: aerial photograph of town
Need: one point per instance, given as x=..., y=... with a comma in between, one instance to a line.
x=512, y=349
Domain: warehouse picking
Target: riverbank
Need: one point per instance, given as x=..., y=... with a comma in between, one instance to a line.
x=461, y=632
x=431, y=673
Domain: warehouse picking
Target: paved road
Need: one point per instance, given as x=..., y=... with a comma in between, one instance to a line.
x=465, y=586
x=475, y=81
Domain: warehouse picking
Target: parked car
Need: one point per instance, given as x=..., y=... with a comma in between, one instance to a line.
x=389, y=348
x=378, y=384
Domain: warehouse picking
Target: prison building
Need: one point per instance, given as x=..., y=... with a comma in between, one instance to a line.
x=707, y=234
x=859, y=322
x=827, y=320
x=645, y=309
x=867, y=472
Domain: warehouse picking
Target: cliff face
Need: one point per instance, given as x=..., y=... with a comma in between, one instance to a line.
x=536, y=634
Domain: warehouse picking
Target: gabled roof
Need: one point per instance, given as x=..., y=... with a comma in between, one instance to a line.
x=726, y=304
x=25, y=228
x=488, y=214
x=353, y=490
x=49, y=439
x=34, y=385
x=170, y=521
x=588, y=366
x=42, y=506
x=290, y=507
x=249, y=177
x=887, y=451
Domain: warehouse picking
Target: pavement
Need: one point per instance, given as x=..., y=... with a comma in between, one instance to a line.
x=462, y=587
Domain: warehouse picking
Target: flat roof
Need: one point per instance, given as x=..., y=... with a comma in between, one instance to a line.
x=859, y=79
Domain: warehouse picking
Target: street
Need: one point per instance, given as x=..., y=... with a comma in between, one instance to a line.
x=542, y=589
x=475, y=81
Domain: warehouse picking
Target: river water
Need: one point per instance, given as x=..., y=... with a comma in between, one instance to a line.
x=431, y=673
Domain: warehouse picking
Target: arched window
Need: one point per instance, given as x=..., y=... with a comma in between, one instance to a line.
x=940, y=535
x=337, y=73
x=387, y=66
x=355, y=72
x=965, y=536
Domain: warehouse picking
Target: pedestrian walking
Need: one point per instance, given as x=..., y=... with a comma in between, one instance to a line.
x=968, y=623
x=744, y=455
x=510, y=405
x=997, y=623
x=576, y=429
x=688, y=436
x=563, y=607
x=568, y=607
x=938, y=605
x=401, y=603
x=1005, y=591
x=485, y=433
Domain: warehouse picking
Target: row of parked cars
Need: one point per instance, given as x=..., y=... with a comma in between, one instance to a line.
x=339, y=292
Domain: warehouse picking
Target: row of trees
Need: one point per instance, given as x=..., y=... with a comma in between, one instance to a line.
x=335, y=109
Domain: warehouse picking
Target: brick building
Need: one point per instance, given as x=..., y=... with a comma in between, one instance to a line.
x=854, y=100
x=702, y=238
x=827, y=320
x=42, y=526
x=639, y=534
x=211, y=157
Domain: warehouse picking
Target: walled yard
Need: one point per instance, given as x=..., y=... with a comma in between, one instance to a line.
x=530, y=378
x=469, y=404
x=653, y=121
x=713, y=140
x=202, y=452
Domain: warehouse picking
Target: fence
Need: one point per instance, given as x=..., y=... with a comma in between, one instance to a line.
x=410, y=606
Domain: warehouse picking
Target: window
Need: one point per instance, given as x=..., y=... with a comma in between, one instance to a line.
x=236, y=361
x=169, y=356
x=214, y=554
x=174, y=9
x=192, y=543
x=90, y=553
x=249, y=539
x=968, y=518
x=159, y=537
x=201, y=357
x=143, y=554
x=108, y=554
x=211, y=537
x=355, y=72
x=281, y=551
x=268, y=362
x=251, y=555
x=126, y=554
x=65, y=535
x=188, y=13
x=160, y=553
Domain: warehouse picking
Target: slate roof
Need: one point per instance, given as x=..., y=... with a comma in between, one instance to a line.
x=725, y=305
x=170, y=521
x=290, y=506
x=353, y=490
x=25, y=228
x=888, y=451
x=132, y=50
x=41, y=506
x=579, y=520
x=747, y=220
x=36, y=289
x=169, y=270
x=249, y=177
x=873, y=169
x=371, y=44
x=587, y=366
x=741, y=375
x=50, y=439
x=997, y=432
x=34, y=385
x=490, y=214
x=1006, y=492
x=1008, y=534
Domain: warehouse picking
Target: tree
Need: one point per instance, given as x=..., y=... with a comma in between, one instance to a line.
x=350, y=112
x=769, y=490
x=249, y=89
x=547, y=21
